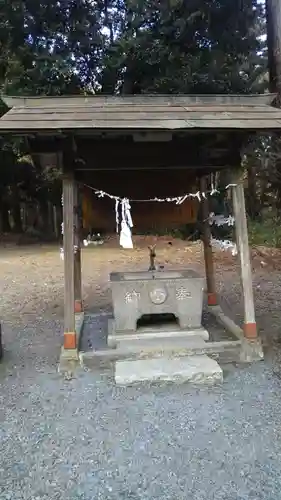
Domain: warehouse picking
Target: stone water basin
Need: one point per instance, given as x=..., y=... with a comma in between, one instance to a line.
x=140, y=293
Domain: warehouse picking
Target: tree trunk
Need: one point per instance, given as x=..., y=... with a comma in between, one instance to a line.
x=50, y=218
x=273, y=17
x=278, y=196
x=44, y=216
x=55, y=222
x=270, y=45
x=16, y=214
x=253, y=205
x=5, y=226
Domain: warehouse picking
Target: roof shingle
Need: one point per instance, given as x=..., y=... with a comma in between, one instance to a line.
x=140, y=112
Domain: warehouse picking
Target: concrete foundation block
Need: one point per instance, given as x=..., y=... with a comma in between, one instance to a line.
x=193, y=369
x=69, y=358
x=251, y=351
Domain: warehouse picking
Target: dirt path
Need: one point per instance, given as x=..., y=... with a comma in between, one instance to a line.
x=31, y=279
x=85, y=438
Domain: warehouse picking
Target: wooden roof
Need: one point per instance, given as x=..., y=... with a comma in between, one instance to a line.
x=173, y=112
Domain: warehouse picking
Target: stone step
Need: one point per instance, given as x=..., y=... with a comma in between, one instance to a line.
x=193, y=369
x=155, y=332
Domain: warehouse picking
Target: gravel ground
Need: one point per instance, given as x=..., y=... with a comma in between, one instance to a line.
x=87, y=439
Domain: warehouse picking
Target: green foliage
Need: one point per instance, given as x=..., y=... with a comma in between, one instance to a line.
x=266, y=232
x=176, y=46
x=51, y=47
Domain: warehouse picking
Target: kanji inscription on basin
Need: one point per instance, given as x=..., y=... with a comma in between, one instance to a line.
x=131, y=297
x=182, y=293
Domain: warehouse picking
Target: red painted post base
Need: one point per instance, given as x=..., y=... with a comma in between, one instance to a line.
x=69, y=341
x=212, y=299
x=78, y=306
x=250, y=330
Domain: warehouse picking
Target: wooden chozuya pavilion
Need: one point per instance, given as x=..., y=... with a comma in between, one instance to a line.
x=201, y=134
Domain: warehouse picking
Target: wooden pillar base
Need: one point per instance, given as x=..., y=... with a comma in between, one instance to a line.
x=69, y=341
x=250, y=330
x=78, y=306
x=212, y=299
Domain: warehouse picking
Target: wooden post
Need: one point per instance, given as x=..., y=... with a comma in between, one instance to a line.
x=208, y=251
x=78, y=305
x=241, y=230
x=68, y=245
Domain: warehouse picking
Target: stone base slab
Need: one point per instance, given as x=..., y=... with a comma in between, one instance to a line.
x=226, y=351
x=193, y=369
x=156, y=332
